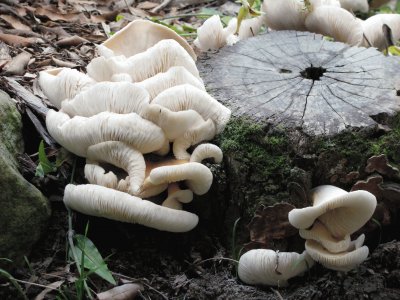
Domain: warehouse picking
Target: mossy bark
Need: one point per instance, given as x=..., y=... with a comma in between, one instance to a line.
x=24, y=210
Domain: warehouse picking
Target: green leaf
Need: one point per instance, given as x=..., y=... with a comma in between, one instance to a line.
x=394, y=50
x=92, y=259
x=119, y=18
x=44, y=166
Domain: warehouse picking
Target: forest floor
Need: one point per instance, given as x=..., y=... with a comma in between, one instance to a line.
x=198, y=265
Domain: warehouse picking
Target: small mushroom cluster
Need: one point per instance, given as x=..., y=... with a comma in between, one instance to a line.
x=143, y=93
x=328, y=224
x=327, y=227
x=331, y=18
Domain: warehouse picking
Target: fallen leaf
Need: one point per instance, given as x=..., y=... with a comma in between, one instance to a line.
x=18, y=64
x=15, y=23
x=147, y=5
x=64, y=64
x=19, y=41
x=71, y=41
x=381, y=165
x=123, y=292
x=54, y=16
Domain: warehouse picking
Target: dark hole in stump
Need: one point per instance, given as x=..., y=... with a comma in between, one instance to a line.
x=314, y=73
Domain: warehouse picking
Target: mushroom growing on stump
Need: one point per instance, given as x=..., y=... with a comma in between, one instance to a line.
x=262, y=266
x=334, y=216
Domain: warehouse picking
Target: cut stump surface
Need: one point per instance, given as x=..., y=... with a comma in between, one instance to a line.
x=300, y=80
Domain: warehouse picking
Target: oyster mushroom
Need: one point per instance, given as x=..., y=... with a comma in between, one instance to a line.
x=116, y=97
x=103, y=202
x=137, y=37
x=267, y=267
x=95, y=174
x=285, y=15
x=159, y=58
x=335, y=22
x=341, y=212
x=373, y=33
x=78, y=133
x=177, y=196
x=355, y=5
x=205, y=151
x=63, y=83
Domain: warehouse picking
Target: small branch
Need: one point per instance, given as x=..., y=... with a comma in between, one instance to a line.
x=163, y=4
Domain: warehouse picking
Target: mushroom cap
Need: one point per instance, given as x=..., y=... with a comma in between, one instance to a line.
x=174, y=76
x=78, y=133
x=285, y=15
x=204, y=151
x=123, y=156
x=251, y=27
x=159, y=58
x=116, y=97
x=355, y=5
x=185, y=97
x=374, y=33
x=137, y=37
x=321, y=234
x=197, y=176
x=103, y=202
x=342, y=213
x=264, y=266
x=95, y=174
x=335, y=22
x=316, y=3
x=342, y=261
x=63, y=83
x=211, y=34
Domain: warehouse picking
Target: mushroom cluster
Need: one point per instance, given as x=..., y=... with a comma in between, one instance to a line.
x=328, y=224
x=331, y=18
x=140, y=95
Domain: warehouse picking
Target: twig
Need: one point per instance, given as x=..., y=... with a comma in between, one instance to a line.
x=216, y=258
x=163, y=4
x=35, y=284
x=277, y=294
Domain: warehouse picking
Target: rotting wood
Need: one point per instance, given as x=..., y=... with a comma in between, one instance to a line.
x=301, y=81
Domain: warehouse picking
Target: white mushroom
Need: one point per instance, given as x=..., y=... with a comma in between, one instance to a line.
x=78, y=133
x=262, y=266
x=63, y=83
x=177, y=196
x=103, y=202
x=373, y=32
x=212, y=35
x=185, y=97
x=316, y=3
x=159, y=58
x=285, y=14
x=122, y=156
x=174, y=76
x=319, y=233
x=341, y=212
x=342, y=261
x=196, y=176
x=355, y=5
x=95, y=174
x=204, y=151
x=117, y=97
x=335, y=22
x=137, y=37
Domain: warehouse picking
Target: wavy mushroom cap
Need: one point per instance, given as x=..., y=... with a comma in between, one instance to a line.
x=95, y=174
x=63, y=83
x=103, y=202
x=157, y=59
x=116, y=97
x=211, y=35
x=121, y=77
x=78, y=133
x=185, y=97
x=285, y=14
x=163, y=81
x=319, y=233
x=251, y=27
x=137, y=37
x=342, y=213
x=196, y=176
x=373, y=30
x=204, y=151
x=176, y=196
x=355, y=5
x=337, y=23
x=342, y=261
x=122, y=156
x=267, y=267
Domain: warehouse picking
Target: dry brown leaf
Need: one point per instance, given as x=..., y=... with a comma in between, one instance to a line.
x=64, y=64
x=19, y=41
x=18, y=65
x=55, y=16
x=71, y=41
x=381, y=165
x=15, y=23
x=104, y=17
x=52, y=286
x=147, y=5
x=5, y=56
x=124, y=292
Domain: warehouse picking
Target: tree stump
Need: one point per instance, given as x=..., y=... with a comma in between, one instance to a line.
x=305, y=112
